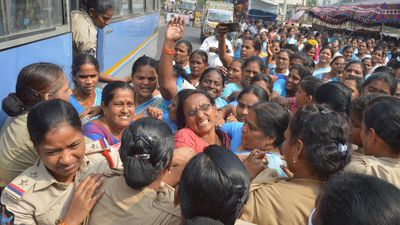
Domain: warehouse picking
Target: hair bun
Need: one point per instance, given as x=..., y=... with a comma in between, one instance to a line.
x=138, y=171
x=12, y=105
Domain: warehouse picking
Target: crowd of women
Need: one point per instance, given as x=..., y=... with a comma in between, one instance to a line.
x=297, y=129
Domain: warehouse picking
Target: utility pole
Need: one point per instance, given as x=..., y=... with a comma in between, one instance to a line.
x=284, y=10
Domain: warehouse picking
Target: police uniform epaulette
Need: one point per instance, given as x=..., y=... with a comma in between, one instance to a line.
x=95, y=146
x=112, y=172
x=21, y=185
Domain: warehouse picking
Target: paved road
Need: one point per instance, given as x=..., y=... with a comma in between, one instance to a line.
x=191, y=34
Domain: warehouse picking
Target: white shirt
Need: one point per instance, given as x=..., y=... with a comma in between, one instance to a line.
x=263, y=29
x=253, y=29
x=213, y=58
x=243, y=27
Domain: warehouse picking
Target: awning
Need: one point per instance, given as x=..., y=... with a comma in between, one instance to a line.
x=366, y=15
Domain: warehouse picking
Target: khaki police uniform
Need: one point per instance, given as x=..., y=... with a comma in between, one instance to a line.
x=274, y=201
x=36, y=197
x=84, y=33
x=121, y=204
x=242, y=222
x=385, y=168
x=16, y=149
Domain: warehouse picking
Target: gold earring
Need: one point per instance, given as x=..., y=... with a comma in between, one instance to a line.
x=294, y=160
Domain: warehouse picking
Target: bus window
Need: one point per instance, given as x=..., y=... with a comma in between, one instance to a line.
x=22, y=17
x=137, y=6
x=155, y=5
x=149, y=5
x=75, y=4
x=26, y=21
x=158, y=5
x=121, y=8
x=2, y=24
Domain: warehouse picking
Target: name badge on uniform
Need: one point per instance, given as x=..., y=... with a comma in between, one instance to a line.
x=13, y=191
x=97, y=146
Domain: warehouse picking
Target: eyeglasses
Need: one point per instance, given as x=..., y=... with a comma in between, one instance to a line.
x=203, y=108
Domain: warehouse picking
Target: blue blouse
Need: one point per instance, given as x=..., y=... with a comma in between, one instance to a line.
x=229, y=89
x=234, y=130
x=280, y=87
x=79, y=108
x=220, y=102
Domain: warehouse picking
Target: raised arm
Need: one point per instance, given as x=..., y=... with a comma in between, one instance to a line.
x=225, y=58
x=107, y=78
x=166, y=79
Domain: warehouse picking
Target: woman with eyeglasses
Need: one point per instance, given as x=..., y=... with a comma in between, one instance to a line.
x=282, y=65
x=196, y=119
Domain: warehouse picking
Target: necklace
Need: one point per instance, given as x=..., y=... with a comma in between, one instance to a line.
x=88, y=102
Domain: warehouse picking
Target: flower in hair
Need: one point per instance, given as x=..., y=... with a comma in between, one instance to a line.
x=342, y=147
x=326, y=111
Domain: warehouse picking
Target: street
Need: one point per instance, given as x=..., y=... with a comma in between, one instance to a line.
x=191, y=34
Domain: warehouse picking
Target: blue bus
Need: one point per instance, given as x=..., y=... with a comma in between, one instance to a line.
x=40, y=31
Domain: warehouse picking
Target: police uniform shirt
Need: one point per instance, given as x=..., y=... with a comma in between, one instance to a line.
x=84, y=33
x=274, y=201
x=242, y=222
x=385, y=168
x=36, y=197
x=121, y=204
x=16, y=149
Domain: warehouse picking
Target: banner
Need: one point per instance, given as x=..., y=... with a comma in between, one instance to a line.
x=184, y=17
x=298, y=15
